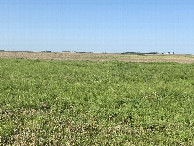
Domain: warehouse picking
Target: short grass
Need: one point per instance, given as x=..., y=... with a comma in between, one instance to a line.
x=140, y=57
x=96, y=103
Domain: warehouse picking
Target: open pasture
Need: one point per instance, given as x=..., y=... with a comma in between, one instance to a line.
x=52, y=102
x=99, y=56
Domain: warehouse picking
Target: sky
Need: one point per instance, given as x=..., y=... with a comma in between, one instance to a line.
x=97, y=25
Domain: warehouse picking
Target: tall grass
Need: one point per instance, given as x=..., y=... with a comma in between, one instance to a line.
x=96, y=103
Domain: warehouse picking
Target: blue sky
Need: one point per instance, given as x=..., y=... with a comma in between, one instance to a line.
x=97, y=25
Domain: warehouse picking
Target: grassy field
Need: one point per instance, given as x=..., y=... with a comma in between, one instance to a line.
x=96, y=103
x=100, y=56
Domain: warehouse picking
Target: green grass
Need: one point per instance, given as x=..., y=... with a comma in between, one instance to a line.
x=96, y=103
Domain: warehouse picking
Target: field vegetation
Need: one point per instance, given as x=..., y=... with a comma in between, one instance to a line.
x=96, y=103
x=100, y=56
